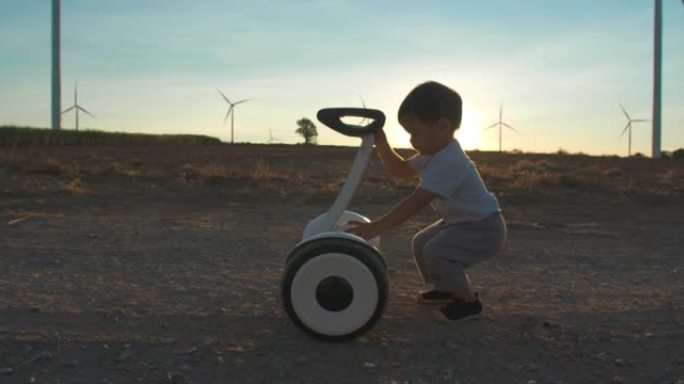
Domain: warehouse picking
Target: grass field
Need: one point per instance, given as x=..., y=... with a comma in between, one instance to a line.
x=280, y=169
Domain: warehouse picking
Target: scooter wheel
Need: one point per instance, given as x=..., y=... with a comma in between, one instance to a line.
x=335, y=289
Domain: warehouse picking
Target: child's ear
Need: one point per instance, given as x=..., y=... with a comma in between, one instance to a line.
x=443, y=124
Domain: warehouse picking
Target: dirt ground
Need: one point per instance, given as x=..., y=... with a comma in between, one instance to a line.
x=131, y=281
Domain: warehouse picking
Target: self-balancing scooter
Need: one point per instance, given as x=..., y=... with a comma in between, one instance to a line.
x=335, y=284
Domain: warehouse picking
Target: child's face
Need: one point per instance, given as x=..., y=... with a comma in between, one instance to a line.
x=426, y=138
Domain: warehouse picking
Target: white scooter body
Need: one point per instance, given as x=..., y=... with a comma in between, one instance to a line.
x=337, y=218
x=335, y=285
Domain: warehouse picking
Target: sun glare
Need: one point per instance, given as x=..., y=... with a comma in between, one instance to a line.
x=471, y=128
x=399, y=138
x=469, y=135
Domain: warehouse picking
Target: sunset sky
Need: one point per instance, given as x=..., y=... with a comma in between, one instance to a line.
x=561, y=68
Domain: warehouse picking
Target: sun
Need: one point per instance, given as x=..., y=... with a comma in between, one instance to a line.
x=469, y=134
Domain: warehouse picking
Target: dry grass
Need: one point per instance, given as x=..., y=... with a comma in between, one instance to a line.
x=313, y=173
x=75, y=188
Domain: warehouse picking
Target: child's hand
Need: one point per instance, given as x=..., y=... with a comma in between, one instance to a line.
x=365, y=231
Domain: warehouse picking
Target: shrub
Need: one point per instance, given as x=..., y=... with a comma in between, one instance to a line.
x=25, y=136
x=678, y=154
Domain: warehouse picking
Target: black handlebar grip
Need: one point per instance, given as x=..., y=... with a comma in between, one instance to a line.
x=332, y=117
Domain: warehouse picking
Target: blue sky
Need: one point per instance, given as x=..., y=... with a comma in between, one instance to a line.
x=561, y=68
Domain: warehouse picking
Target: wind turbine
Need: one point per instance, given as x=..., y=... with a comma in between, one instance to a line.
x=56, y=67
x=657, y=74
x=628, y=129
x=272, y=139
x=231, y=113
x=500, y=124
x=364, y=107
x=77, y=107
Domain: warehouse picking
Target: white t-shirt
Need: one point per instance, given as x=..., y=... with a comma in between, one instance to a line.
x=462, y=195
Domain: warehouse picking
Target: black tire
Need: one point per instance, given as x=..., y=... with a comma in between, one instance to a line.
x=366, y=254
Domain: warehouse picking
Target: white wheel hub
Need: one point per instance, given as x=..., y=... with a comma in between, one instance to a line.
x=306, y=282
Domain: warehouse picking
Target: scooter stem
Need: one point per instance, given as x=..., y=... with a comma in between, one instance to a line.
x=353, y=180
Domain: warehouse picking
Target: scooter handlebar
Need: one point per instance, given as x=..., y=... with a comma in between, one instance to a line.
x=332, y=117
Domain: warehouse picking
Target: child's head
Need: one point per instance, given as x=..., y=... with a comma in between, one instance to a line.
x=431, y=113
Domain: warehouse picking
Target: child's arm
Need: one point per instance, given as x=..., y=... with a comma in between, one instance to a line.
x=395, y=164
x=397, y=215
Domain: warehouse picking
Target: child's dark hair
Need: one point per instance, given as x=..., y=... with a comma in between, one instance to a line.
x=431, y=101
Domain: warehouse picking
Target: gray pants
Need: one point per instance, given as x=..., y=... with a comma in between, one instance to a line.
x=443, y=251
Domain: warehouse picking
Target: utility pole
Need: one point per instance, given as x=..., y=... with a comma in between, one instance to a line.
x=657, y=77
x=56, y=67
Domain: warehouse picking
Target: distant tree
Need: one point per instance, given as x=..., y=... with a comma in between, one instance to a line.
x=308, y=130
x=678, y=154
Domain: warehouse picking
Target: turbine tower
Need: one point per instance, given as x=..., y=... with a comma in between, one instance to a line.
x=56, y=67
x=77, y=107
x=500, y=124
x=231, y=112
x=657, y=75
x=628, y=129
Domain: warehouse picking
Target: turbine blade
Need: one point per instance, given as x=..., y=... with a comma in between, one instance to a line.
x=626, y=114
x=241, y=101
x=224, y=97
x=640, y=120
x=84, y=110
x=626, y=128
x=491, y=126
x=69, y=109
x=506, y=125
x=228, y=114
x=364, y=107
